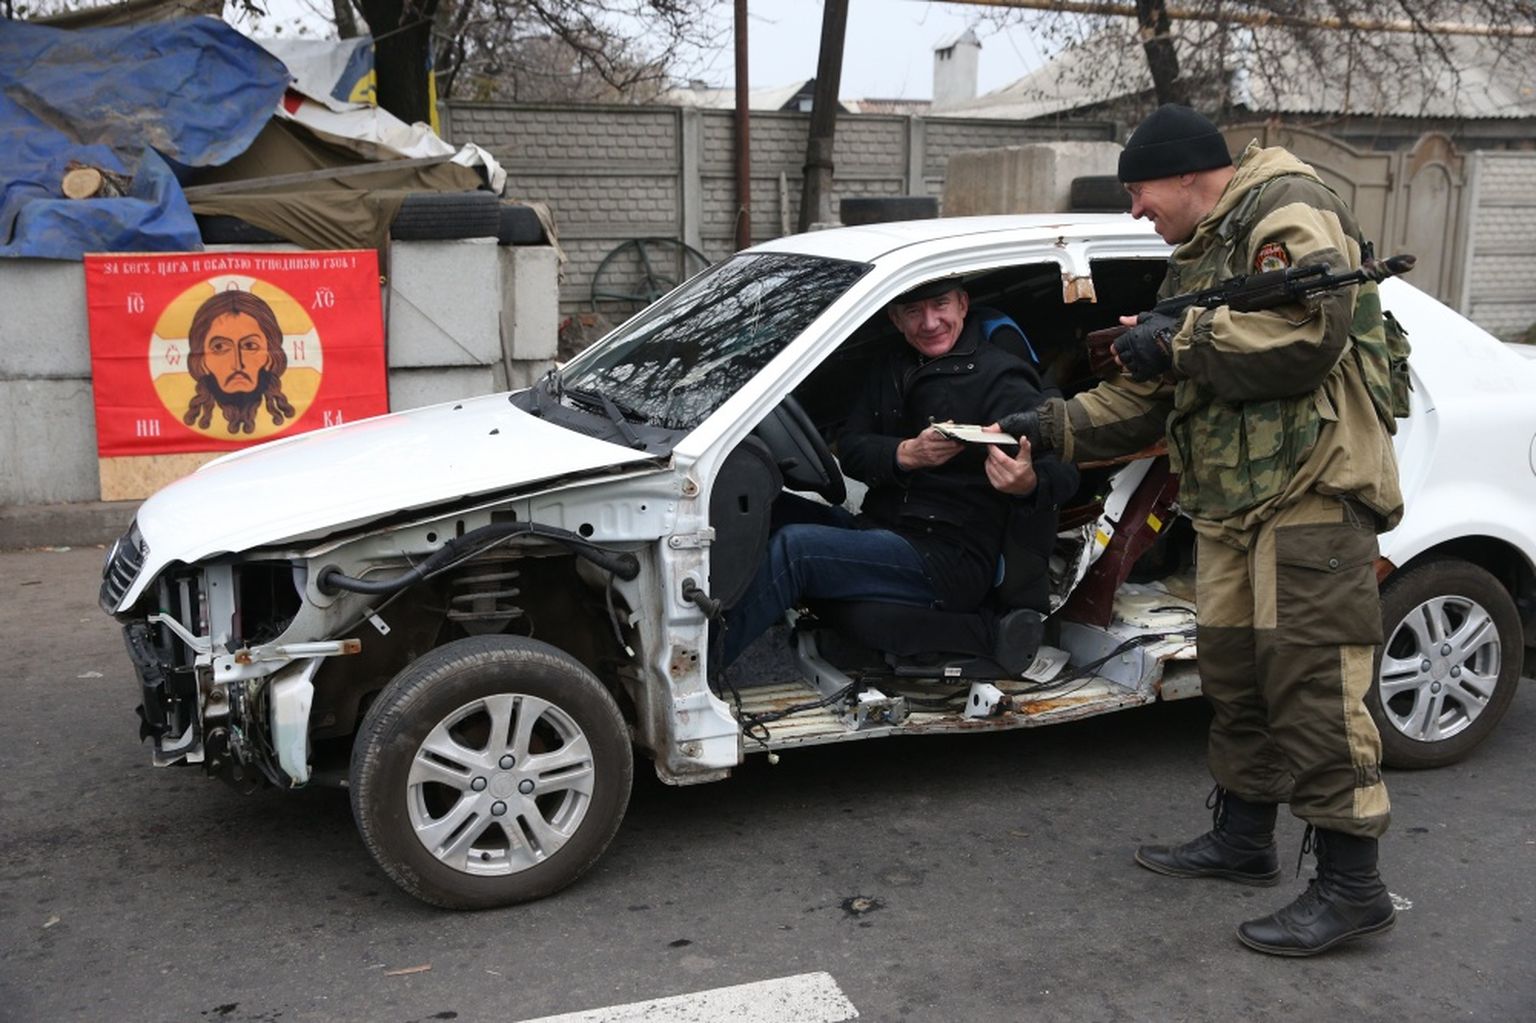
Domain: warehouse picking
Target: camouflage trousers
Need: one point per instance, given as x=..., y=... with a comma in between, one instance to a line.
x=1289, y=619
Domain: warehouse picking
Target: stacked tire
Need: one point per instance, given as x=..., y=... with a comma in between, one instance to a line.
x=424, y=216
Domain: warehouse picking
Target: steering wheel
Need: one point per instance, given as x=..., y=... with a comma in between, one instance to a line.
x=802, y=456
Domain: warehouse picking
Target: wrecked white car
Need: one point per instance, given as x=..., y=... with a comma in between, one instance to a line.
x=470, y=614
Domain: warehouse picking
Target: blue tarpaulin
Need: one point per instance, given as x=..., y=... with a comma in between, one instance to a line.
x=193, y=91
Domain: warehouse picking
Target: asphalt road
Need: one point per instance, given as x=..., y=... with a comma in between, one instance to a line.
x=982, y=877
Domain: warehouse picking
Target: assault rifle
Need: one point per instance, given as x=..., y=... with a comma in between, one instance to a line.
x=1248, y=293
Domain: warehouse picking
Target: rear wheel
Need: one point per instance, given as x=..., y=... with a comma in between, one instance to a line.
x=1450, y=664
x=494, y=770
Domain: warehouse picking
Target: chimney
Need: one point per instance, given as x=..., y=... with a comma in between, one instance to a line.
x=954, y=69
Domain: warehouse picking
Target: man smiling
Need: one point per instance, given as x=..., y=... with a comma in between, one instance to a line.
x=1287, y=472
x=933, y=520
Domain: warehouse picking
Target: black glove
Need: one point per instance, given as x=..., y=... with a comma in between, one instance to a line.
x=1025, y=426
x=1146, y=350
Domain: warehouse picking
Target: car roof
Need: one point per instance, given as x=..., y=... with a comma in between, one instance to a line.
x=869, y=243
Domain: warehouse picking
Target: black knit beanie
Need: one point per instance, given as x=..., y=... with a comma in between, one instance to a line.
x=1172, y=140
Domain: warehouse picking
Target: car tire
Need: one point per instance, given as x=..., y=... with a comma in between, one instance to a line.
x=1098, y=193
x=219, y=229
x=436, y=216
x=491, y=771
x=519, y=225
x=880, y=209
x=1436, y=715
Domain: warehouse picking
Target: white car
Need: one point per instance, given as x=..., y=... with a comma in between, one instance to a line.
x=470, y=613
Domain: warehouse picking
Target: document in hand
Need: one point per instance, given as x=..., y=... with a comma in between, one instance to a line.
x=970, y=433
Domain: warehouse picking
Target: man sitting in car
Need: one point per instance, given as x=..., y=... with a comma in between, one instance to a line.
x=934, y=518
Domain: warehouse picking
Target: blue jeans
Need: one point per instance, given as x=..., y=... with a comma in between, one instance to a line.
x=816, y=551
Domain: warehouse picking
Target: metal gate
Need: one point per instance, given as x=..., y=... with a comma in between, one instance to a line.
x=1408, y=201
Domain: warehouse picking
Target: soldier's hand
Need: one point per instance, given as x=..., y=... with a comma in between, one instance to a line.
x=1146, y=350
x=1011, y=474
x=926, y=450
x=1025, y=426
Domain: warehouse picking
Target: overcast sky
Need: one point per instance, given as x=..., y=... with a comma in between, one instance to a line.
x=888, y=53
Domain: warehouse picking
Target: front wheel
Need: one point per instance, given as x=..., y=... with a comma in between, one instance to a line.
x=1450, y=664
x=493, y=770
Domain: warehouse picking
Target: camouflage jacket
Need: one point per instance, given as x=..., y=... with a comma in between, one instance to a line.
x=1261, y=407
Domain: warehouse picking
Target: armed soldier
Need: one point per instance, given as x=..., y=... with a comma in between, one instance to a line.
x=1276, y=427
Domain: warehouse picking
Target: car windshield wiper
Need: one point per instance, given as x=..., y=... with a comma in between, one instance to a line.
x=619, y=415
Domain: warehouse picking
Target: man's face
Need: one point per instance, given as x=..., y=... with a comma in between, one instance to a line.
x=932, y=325
x=1172, y=204
x=236, y=353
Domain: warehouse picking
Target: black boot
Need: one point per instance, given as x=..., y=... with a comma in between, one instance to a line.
x=1345, y=901
x=1239, y=847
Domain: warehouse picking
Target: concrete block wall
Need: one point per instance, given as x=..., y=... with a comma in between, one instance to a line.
x=44, y=303
x=946, y=136
x=444, y=304
x=1497, y=293
x=464, y=317
x=610, y=174
x=47, y=441
x=778, y=145
x=45, y=393
x=1023, y=179
x=530, y=312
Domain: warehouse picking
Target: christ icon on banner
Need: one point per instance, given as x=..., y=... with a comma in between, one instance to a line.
x=236, y=356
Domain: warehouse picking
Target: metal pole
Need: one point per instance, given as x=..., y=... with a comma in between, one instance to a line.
x=816, y=202
x=743, y=134
x=1157, y=43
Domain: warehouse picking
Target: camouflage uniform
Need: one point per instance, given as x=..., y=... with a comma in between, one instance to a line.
x=1287, y=471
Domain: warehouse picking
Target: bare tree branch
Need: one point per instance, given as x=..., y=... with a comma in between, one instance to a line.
x=1340, y=57
x=583, y=50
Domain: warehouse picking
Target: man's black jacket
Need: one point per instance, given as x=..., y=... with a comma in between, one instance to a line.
x=949, y=513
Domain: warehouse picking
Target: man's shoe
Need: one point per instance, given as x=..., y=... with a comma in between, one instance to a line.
x=1320, y=918
x=1345, y=901
x=1214, y=855
x=1239, y=847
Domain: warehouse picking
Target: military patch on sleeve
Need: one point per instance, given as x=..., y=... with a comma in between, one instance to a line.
x=1271, y=256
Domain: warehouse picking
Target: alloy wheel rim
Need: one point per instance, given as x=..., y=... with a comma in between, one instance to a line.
x=500, y=785
x=1439, y=668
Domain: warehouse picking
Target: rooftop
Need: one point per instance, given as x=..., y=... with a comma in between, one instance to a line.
x=1265, y=71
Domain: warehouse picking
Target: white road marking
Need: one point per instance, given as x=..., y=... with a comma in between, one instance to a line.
x=805, y=998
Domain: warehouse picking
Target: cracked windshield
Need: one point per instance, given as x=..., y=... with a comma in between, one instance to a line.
x=680, y=361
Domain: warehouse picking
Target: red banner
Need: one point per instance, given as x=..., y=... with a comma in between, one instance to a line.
x=211, y=351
